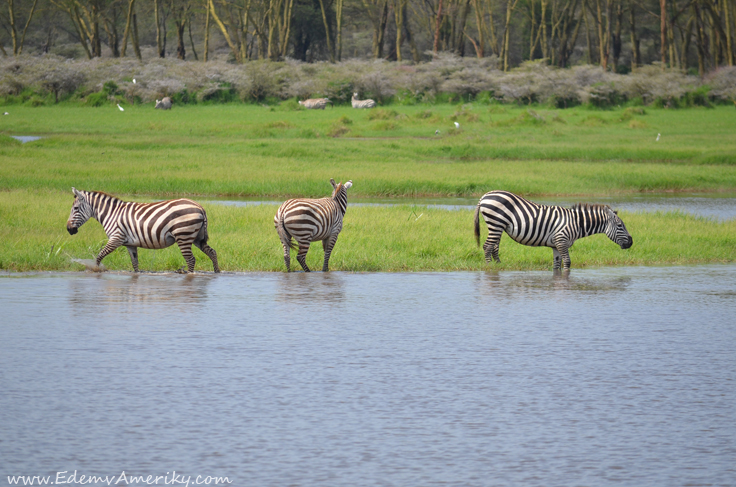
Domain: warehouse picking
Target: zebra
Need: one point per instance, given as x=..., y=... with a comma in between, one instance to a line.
x=310, y=220
x=362, y=103
x=145, y=225
x=164, y=104
x=315, y=103
x=544, y=226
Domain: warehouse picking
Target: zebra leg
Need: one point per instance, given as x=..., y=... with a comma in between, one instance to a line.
x=114, y=242
x=564, y=256
x=328, y=244
x=186, y=251
x=301, y=257
x=490, y=247
x=209, y=252
x=556, y=260
x=133, y=251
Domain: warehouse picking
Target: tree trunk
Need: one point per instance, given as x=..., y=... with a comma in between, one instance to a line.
x=398, y=18
x=327, y=31
x=191, y=41
x=436, y=45
x=410, y=39
x=126, y=33
x=13, y=30
x=338, y=28
x=510, y=6
x=207, y=33
x=379, y=32
x=460, y=34
x=663, y=30
x=136, y=43
x=25, y=29
x=727, y=21
x=181, y=52
x=635, y=52
x=159, y=47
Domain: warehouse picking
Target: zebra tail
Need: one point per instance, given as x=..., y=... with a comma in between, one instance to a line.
x=203, y=236
x=283, y=232
x=477, y=224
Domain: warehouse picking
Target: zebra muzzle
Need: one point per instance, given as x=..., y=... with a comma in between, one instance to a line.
x=71, y=230
x=628, y=243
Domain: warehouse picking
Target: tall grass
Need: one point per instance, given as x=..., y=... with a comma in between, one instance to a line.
x=403, y=238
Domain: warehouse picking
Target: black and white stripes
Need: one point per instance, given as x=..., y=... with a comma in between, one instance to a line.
x=145, y=225
x=310, y=220
x=544, y=226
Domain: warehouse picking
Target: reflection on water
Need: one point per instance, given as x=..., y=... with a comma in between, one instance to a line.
x=593, y=377
x=321, y=287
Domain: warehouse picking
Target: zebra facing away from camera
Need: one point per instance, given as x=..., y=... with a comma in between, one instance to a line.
x=544, y=226
x=145, y=225
x=315, y=103
x=362, y=103
x=310, y=220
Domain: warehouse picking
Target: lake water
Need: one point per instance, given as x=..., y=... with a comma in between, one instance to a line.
x=718, y=206
x=619, y=376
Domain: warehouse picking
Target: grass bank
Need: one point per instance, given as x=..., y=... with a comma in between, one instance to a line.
x=252, y=150
x=392, y=239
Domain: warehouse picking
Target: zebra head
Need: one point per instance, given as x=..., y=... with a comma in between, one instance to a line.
x=340, y=193
x=81, y=212
x=616, y=230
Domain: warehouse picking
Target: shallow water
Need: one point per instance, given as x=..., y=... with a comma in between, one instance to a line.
x=26, y=138
x=718, y=206
x=618, y=376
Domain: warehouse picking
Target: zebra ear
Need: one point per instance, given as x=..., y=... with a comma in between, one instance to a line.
x=615, y=212
x=332, y=182
x=348, y=184
x=76, y=193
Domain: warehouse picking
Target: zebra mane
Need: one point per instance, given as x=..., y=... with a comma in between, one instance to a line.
x=589, y=206
x=104, y=194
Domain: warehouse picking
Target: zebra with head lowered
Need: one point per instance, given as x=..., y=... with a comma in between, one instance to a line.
x=544, y=226
x=145, y=225
x=310, y=220
x=362, y=103
x=315, y=103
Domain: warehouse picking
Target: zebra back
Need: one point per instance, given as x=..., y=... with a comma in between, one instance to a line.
x=315, y=103
x=362, y=103
x=147, y=225
x=309, y=220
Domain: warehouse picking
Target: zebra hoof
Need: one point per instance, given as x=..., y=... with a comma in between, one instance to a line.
x=182, y=270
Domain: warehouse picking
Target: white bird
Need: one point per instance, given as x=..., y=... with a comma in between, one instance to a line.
x=6, y=113
x=658, y=137
x=437, y=132
x=457, y=125
x=121, y=108
x=133, y=80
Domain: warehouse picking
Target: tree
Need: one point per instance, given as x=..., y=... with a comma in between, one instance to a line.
x=11, y=23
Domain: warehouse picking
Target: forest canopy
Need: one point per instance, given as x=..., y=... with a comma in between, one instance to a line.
x=694, y=36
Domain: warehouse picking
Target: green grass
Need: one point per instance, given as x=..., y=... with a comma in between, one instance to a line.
x=251, y=150
x=275, y=152
x=404, y=238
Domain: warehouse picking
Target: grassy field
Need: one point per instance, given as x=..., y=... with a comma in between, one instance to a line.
x=401, y=238
x=247, y=150
x=275, y=152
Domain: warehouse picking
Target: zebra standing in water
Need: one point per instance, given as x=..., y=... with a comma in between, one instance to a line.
x=309, y=220
x=315, y=103
x=146, y=225
x=544, y=226
x=362, y=103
